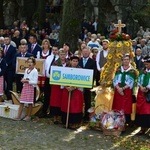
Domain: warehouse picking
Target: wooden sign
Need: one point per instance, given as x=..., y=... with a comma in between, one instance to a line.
x=21, y=65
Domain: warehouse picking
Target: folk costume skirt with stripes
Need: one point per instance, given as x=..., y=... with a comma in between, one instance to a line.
x=27, y=94
x=1, y=85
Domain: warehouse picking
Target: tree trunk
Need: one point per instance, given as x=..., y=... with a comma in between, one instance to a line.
x=1, y=14
x=29, y=9
x=42, y=12
x=71, y=22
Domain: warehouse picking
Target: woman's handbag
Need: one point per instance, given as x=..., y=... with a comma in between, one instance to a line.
x=147, y=94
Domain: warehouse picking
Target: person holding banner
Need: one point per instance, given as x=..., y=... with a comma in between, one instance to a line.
x=29, y=81
x=47, y=87
x=56, y=90
x=72, y=101
x=23, y=53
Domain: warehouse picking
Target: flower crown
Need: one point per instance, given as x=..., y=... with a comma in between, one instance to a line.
x=115, y=36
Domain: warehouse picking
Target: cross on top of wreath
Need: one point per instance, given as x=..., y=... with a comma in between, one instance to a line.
x=119, y=26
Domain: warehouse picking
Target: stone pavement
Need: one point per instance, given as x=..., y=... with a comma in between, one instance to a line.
x=44, y=135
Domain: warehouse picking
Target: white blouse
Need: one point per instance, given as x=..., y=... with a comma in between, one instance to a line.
x=32, y=76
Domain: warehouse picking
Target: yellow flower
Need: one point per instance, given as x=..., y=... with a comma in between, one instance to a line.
x=109, y=56
x=127, y=43
x=117, y=65
x=119, y=55
x=119, y=44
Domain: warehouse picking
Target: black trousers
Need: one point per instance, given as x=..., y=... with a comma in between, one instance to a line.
x=8, y=78
x=87, y=101
x=19, y=84
x=97, y=78
x=47, y=91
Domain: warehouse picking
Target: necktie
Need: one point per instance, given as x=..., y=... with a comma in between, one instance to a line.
x=52, y=63
x=6, y=49
x=32, y=47
x=84, y=62
x=23, y=54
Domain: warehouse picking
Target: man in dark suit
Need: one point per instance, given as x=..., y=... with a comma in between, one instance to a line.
x=33, y=46
x=87, y=63
x=138, y=59
x=23, y=53
x=9, y=53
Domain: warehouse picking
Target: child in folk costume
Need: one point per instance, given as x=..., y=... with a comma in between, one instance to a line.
x=29, y=81
x=3, y=67
x=76, y=101
x=56, y=90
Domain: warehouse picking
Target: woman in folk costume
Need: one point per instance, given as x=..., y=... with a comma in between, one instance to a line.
x=46, y=51
x=29, y=81
x=124, y=82
x=56, y=90
x=3, y=67
x=76, y=101
x=143, y=98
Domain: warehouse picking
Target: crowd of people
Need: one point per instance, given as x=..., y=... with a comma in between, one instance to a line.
x=91, y=54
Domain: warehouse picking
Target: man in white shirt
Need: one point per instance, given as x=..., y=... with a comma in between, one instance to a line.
x=101, y=59
x=47, y=87
x=138, y=59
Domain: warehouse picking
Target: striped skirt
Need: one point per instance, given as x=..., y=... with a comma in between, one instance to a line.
x=27, y=94
x=1, y=85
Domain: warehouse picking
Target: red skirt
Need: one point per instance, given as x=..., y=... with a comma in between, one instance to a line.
x=56, y=96
x=41, y=81
x=142, y=107
x=76, y=101
x=27, y=94
x=123, y=102
x=1, y=85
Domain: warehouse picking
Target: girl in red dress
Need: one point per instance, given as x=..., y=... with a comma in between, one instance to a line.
x=76, y=101
x=56, y=90
x=29, y=81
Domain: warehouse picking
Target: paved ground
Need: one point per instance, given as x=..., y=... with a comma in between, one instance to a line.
x=44, y=135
